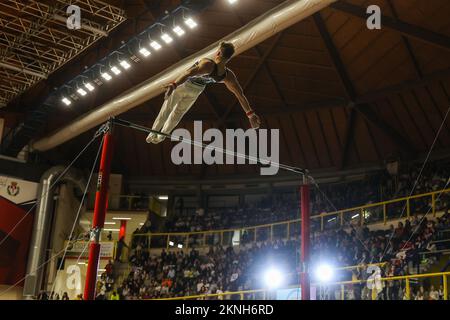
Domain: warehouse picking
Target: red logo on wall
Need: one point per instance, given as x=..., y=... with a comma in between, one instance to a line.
x=13, y=189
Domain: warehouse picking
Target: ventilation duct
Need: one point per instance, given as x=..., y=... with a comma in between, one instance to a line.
x=41, y=225
x=255, y=32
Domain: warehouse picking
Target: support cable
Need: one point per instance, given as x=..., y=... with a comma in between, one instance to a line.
x=417, y=180
x=79, y=211
x=97, y=134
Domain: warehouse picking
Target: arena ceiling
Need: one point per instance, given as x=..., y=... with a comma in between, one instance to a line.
x=35, y=40
x=342, y=95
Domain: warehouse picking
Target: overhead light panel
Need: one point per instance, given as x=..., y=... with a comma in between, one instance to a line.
x=155, y=45
x=232, y=1
x=191, y=23
x=145, y=52
x=179, y=31
x=106, y=76
x=166, y=38
x=89, y=86
x=66, y=101
x=116, y=70
x=163, y=197
x=82, y=92
x=125, y=64
x=120, y=218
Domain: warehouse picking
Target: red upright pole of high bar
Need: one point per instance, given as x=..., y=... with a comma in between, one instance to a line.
x=101, y=204
x=305, y=241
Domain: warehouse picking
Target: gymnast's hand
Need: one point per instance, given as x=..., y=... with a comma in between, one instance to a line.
x=255, y=121
x=169, y=89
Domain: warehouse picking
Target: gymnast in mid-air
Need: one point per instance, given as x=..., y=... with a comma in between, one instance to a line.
x=184, y=91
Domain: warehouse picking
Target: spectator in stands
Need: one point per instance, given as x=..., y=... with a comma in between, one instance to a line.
x=120, y=245
x=434, y=294
x=109, y=269
x=114, y=296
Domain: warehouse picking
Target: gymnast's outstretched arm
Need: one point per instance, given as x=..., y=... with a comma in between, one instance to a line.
x=233, y=85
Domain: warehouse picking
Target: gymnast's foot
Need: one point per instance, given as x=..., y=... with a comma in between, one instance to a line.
x=155, y=138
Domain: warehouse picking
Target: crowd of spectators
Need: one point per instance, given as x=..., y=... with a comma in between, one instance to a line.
x=227, y=268
x=230, y=269
x=105, y=284
x=375, y=188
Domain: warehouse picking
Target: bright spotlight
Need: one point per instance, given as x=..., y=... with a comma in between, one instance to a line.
x=66, y=101
x=89, y=86
x=125, y=64
x=171, y=243
x=232, y=1
x=273, y=278
x=180, y=246
x=145, y=52
x=82, y=92
x=106, y=76
x=179, y=31
x=166, y=38
x=324, y=273
x=116, y=70
x=190, y=23
x=155, y=45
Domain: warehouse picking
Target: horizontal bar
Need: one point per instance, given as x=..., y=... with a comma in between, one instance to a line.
x=259, y=160
x=255, y=32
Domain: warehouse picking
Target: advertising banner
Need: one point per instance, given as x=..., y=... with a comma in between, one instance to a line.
x=81, y=249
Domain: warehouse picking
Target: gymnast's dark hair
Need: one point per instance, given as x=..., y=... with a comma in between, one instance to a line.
x=227, y=49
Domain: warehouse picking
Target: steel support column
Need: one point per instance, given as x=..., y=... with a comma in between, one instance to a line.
x=305, y=240
x=101, y=204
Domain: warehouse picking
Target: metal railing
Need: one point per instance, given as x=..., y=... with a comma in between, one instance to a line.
x=380, y=212
x=372, y=292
